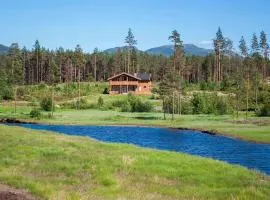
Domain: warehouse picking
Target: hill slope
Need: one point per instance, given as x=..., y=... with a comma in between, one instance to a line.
x=167, y=50
x=189, y=49
x=3, y=49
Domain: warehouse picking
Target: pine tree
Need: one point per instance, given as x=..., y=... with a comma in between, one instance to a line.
x=264, y=46
x=219, y=44
x=255, y=60
x=37, y=57
x=254, y=43
x=244, y=53
x=79, y=64
x=130, y=40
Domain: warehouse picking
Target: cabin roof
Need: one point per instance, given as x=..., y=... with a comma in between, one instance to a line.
x=144, y=76
x=123, y=73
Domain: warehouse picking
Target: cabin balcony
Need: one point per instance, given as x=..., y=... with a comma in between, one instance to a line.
x=124, y=82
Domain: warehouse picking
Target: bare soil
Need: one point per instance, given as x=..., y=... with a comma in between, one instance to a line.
x=9, y=193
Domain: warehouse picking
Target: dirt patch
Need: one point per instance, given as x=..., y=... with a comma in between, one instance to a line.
x=9, y=193
x=260, y=122
x=14, y=121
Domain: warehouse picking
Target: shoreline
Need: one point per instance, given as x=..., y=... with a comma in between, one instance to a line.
x=204, y=131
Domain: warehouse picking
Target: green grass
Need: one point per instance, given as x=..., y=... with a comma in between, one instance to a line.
x=54, y=166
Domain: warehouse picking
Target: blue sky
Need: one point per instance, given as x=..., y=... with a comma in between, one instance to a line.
x=104, y=23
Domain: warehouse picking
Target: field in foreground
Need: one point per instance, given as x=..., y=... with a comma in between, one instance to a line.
x=54, y=166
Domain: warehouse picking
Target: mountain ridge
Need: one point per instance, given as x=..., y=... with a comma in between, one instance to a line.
x=3, y=49
x=167, y=50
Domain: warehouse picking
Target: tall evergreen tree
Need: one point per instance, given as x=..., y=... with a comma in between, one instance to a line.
x=178, y=54
x=264, y=46
x=130, y=40
x=219, y=44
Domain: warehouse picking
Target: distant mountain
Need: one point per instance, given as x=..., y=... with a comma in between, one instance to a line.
x=189, y=49
x=3, y=49
x=115, y=49
x=167, y=50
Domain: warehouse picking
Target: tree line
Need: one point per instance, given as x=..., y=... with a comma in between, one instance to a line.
x=41, y=65
x=242, y=73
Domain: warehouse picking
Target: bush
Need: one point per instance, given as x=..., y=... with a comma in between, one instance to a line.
x=138, y=106
x=106, y=91
x=125, y=106
x=198, y=104
x=35, y=113
x=186, y=108
x=207, y=85
x=80, y=103
x=264, y=111
x=221, y=106
x=6, y=93
x=133, y=104
x=21, y=92
x=209, y=103
x=46, y=104
x=42, y=86
x=100, y=102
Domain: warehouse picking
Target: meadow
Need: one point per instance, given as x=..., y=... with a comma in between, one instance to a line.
x=53, y=166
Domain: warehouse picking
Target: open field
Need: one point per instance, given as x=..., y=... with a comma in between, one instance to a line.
x=54, y=166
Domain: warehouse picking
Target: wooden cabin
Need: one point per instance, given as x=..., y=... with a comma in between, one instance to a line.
x=123, y=83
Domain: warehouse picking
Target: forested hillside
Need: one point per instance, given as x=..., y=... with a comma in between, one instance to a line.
x=167, y=50
x=189, y=50
x=31, y=66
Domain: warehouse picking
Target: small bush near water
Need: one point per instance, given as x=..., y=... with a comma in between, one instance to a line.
x=6, y=93
x=35, y=113
x=133, y=104
x=264, y=111
x=47, y=104
x=208, y=104
x=100, y=102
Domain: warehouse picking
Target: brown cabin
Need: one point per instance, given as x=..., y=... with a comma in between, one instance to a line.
x=123, y=83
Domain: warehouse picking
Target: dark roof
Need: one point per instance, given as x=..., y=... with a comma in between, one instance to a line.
x=143, y=76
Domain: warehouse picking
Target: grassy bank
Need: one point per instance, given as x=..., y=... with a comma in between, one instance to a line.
x=256, y=129
x=53, y=166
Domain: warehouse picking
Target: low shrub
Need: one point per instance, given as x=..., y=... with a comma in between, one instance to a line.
x=207, y=85
x=21, y=92
x=106, y=91
x=100, y=102
x=125, y=107
x=6, y=93
x=80, y=104
x=209, y=104
x=35, y=113
x=263, y=111
x=186, y=108
x=47, y=104
x=133, y=104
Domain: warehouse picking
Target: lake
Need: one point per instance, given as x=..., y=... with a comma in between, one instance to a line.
x=235, y=151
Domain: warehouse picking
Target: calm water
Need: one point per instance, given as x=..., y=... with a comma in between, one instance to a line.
x=248, y=154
